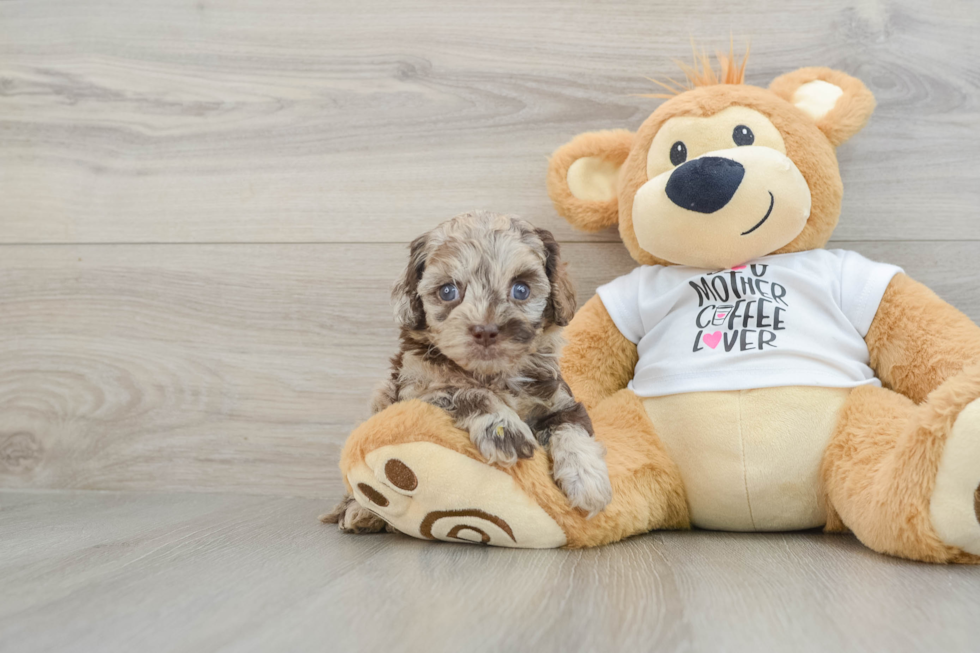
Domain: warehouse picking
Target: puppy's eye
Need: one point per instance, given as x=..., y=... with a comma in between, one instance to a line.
x=520, y=291
x=743, y=135
x=448, y=292
x=678, y=153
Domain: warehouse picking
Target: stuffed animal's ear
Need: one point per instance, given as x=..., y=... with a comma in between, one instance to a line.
x=561, y=302
x=583, y=177
x=838, y=103
x=405, y=298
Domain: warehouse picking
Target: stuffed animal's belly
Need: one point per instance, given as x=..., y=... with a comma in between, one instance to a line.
x=750, y=459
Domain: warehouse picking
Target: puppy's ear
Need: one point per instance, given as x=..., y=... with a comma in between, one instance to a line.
x=561, y=302
x=583, y=177
x=838, y=103
x=405, y=298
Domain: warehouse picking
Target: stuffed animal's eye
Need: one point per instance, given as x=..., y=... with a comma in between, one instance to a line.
x=743, y=135
x=448, y=292
x=678, y=153
x=520, y=291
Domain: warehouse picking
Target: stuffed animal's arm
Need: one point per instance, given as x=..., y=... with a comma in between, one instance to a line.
x=917, y=340
x=597, y=360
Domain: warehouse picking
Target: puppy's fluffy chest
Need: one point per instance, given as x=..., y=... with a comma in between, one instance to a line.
x=527, y=391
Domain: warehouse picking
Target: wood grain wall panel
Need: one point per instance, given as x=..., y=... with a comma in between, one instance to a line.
x=308, y=121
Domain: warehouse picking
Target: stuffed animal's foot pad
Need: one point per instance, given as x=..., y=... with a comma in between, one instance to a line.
x=955, y=503
x=430, y=492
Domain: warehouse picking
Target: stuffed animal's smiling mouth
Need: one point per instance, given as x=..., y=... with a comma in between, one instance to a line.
x=772, y=202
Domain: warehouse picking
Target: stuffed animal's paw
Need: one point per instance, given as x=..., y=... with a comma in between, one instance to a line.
x=955, y=503
x=430, y=492
x=502, y=438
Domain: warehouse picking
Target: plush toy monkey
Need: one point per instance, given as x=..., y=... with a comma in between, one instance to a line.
x=742, y=377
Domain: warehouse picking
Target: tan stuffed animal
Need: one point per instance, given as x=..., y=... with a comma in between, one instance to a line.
x=742, y=378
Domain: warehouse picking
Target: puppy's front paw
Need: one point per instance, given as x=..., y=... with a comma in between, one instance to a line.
x=502, y=439
x=351, y=517
x=579, y=468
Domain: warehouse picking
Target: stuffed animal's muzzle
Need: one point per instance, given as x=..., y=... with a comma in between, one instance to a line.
x=733, y=205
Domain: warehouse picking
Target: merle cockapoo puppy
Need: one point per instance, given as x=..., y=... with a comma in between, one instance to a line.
x=481, y=306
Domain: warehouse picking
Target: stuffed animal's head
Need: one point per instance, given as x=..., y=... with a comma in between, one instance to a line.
x=721, y=173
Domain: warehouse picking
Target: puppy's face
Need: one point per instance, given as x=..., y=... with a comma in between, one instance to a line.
x=484, y=288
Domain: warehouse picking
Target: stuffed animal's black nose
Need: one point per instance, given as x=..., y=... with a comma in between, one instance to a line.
x=485, y=334
x=706, y=184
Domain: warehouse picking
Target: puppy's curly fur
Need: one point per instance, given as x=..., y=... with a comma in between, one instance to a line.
x=481, y=306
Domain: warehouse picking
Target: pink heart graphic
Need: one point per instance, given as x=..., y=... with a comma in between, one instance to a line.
x=712, y=339
x=739, y=267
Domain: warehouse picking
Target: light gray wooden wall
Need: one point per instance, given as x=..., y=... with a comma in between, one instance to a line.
x=202, y=203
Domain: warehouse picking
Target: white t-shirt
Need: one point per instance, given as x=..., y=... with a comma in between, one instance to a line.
x=786, y=319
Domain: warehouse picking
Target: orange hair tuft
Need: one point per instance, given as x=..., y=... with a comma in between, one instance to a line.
x=700, y=73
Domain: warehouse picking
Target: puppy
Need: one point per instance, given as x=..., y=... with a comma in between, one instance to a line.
x=481, y=306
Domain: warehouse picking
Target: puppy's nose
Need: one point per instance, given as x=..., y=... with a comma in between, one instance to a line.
x=485, y=334
x=706, y=184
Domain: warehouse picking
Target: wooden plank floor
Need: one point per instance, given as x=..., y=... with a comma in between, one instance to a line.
x=202, y=204
x=88, y=571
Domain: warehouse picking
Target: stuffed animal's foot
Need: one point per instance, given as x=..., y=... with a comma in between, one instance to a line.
x=433, y=493
x=955, y=503
x=413, y=468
